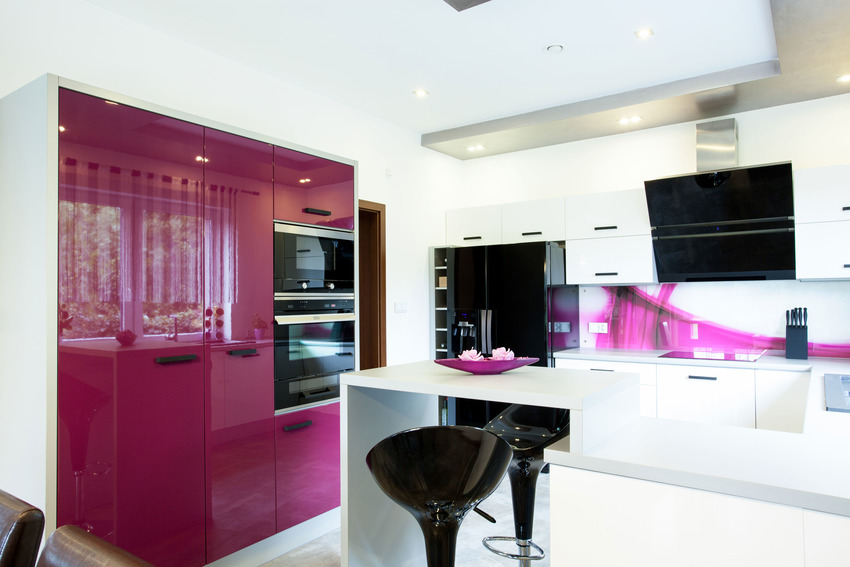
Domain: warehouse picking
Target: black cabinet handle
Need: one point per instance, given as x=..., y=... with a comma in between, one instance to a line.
x=303, y=251
x=845, y=208
x=320, y=212
x=612, y=227
x=301, y=425
x=345, y=354
x=175, y=359
x=602, y=370
x=606, y=274
x=847, y=265
x=702, y=377
x=244, y=352
x=536, y=233
x=472, y=238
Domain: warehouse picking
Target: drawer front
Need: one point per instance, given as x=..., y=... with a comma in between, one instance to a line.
x=645, y=371
x=722, y=396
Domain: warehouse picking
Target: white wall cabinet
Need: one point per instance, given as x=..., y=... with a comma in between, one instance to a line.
x=474, y=226
x=610, y=261
x=602, y=215
x=605, y=520
x=645, y=371
x=722, y=396
x=781, y=400
x=822, y=194
x=823, y=250
x=533, y=221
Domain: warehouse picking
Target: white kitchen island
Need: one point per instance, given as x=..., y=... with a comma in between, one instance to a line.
x=377, y=403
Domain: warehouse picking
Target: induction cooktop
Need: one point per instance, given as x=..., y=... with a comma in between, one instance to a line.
x=742, y=355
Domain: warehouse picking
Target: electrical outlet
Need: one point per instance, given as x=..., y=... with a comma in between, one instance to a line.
x=598, y=328
x=694, y=331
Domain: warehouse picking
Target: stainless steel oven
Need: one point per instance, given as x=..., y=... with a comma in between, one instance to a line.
x=311, y=260
x=313, y=344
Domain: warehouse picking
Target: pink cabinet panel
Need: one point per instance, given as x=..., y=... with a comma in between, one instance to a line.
x=308, y=462
x=313, y=190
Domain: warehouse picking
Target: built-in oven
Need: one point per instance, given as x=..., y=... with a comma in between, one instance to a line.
x=311, y=260
x=313, y=344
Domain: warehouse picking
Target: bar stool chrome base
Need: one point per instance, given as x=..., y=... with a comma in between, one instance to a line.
x=525, y=547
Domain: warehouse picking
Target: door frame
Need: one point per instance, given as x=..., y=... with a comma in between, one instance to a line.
x=378, y=272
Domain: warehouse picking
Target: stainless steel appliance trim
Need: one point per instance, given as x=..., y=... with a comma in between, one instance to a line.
x=313, y=318
x=282, y=296
x=321, y=232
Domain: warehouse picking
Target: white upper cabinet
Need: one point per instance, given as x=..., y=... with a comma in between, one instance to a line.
x=823, y=250
x=610, y=261
x=474, y=226
x=601, y=215
x=822, y=194
x=533, y=221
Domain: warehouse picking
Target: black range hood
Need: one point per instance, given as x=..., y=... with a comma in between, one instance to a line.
x=726, y=225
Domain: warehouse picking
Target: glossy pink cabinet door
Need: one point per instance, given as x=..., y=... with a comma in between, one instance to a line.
x=308, y=462
x=313, y=190
x=131, y=418
x=240, y=465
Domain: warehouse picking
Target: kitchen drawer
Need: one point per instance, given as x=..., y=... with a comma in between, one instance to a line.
x=823, y=250
x=648, y=405
x=533, y=221
x=602, y=215
x=721, y=396
x=822, y=194
x=474, y=226
x=610, y=261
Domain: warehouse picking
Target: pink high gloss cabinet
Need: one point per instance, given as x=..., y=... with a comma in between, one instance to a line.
x=313, y=190
x=240, y=446
x=308, y=463
x=131, y=418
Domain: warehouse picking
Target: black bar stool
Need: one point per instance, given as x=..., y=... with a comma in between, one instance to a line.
x=528, y=430
x=439, y=474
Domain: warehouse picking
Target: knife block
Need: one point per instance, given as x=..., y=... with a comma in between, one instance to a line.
x=797, y=342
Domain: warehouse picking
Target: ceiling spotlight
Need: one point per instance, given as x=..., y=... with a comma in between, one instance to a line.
x=625, y=121
x=421, y=93
x=843, y=79
x=477, y=148
x=202, y=158
x=305, y=180
x=113, y=103
x=555, y=48
x=644, y=33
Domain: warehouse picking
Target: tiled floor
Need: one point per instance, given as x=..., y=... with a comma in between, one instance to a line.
x=325, y=551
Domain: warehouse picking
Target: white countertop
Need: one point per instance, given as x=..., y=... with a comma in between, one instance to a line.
x=767, y=361
x=530, y=385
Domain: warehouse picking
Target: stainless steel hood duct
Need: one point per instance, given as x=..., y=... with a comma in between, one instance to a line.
x=461, y=5
x=717, y=145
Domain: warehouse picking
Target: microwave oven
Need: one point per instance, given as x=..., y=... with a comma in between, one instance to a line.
x=309, y=260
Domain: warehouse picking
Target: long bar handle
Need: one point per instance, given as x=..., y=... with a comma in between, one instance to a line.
x=175, y=359
x=535, y=233
x=600, y=274
x=244, y=352
x=610, y=227
x=320, y=212
x=472, y=238
x=301, y=425
x=692, y=377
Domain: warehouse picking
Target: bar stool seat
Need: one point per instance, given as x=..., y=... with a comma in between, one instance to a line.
x=439, y=474
x=528, y=430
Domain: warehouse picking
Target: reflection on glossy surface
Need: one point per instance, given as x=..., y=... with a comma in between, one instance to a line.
x=439, y=474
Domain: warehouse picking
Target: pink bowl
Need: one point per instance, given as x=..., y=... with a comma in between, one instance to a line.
x=486, y=366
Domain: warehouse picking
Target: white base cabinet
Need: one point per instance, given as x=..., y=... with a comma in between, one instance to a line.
x=781, y=398
x=645, y=371
x=607, y=520
x=722, y=396
x=826, y=537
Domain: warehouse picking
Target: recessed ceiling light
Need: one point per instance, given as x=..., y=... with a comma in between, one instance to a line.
x=555, y=48
x=625, y=121
x=843, y=79
x=113, y=103
x=421, y=93
x=644, y=33
x=305, y=180
x=476, y=148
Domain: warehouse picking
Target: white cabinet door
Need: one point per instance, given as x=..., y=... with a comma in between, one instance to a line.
x=474, y=226
x=823, y=250
x=781, y=400
x=822, y=194
x=603, y=520
x=600, y=215
x=533, y=221
x=723, y=396
x=826, y=537
x=608, y=261
x=645, y=371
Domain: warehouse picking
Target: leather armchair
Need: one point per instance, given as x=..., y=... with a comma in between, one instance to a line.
x=72, y=546
x=21, y=528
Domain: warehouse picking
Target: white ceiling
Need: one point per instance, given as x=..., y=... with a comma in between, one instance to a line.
x=486, y=68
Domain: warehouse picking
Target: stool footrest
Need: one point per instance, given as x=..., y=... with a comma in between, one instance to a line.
x=525, y=548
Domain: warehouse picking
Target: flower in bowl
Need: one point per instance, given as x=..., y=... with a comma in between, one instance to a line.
x=471, y=355
x=125, y=337
x=502, y=353
x=472, y=361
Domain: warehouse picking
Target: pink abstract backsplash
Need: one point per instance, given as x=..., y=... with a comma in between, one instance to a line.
x=649, y=318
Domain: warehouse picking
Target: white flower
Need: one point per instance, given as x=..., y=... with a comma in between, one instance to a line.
x=471, y=354
x=503, y=353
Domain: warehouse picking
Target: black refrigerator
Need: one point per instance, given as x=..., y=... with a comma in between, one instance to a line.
x=512, y=296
